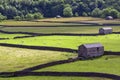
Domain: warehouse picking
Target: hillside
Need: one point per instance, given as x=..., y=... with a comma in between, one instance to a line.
x=35, y=9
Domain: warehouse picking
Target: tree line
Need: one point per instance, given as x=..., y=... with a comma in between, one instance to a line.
x=37, y=9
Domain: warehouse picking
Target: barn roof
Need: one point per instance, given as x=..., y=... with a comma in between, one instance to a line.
x=93, y=45
x=106, y=28
x=58, y=16
x=109, y=17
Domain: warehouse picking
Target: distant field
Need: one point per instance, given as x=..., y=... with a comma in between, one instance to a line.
x=49, y=22
x=105, y=64
x=111, y=42
x=33, y=23
x=71, y=19
x=81, y=29
x=105, y=21
x=3, y=35
x=14, y=59
x=81, y=19
x=46, y=21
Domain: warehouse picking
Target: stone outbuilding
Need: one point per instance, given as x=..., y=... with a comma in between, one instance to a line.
x=105, y=30
x=90, y=50
x=58, y=16
x=109, y=18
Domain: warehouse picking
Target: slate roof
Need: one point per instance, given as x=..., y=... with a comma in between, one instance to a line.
x=106, y=28
x=93, y=45
x=109, y=17
x=58, y=16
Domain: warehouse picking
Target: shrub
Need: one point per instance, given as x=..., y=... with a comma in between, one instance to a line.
x=67, y=12
x=96, y=12
x=2, y=17
x=17, y=18
x=38, y=16
x=110, y=12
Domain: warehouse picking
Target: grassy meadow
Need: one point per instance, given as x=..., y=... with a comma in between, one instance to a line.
x=14, y=59
x=4, y=35
x=105, y=64
x=34, y=23
x=47, y=21
x=58, y=25
x=25, y=23
x=72, y=29
x=111, y=41
x=81, y=19
x=70, y=19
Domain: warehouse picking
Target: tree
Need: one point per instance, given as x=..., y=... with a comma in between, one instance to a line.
x=29, y=17
x=110, y=12
x=67, y=12
x=38, y=16
x=22, y=17
x=17, y=18
x=10, y=11
x=76, y=14
x=106, y=12
x=51, y=8
x=2, y=17
x=119, y=16
x=57, y=10
x=114, y=13
x=96, y=12
x=84, y=14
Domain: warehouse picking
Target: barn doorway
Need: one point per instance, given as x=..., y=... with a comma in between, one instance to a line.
x=97, y=49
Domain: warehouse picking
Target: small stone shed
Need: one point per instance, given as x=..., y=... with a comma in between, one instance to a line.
x=109, y=18
x=58, y=16
x=105, y=30
x=90, y=50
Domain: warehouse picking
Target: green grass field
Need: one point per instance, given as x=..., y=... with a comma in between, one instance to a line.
x=106, y=64
x=110, y=42
x=44, y=23
x=71, y=19
x=74, y=29
x=3, y=35
x=33, y=23
x=26, y=23
x=82, y=19
x=58, y=22
x=14, y=59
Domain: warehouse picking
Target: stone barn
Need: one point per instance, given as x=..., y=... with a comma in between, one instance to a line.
x=109, y=18
x=105, y=30
x=58, y=16
x=90, y=50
